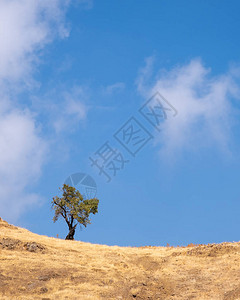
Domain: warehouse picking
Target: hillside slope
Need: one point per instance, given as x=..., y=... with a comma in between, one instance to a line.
x=39, y=267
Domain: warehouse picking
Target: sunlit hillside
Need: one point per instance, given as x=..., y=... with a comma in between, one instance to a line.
x=40, y=267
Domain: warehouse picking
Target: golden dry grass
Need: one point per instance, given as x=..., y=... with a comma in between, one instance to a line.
x=39, y=267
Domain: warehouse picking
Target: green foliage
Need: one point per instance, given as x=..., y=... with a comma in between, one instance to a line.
x=73, y=208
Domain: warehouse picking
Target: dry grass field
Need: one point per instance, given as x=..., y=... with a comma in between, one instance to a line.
x=40, y=267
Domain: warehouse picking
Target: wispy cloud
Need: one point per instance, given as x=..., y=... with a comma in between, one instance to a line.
x=203, y=101
x=86, y=4
x=70, y=111
x=114, y=88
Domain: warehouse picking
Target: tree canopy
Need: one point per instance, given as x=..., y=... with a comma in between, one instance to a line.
x=73, y=208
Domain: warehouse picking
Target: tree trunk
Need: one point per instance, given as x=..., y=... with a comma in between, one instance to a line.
x=71, y=233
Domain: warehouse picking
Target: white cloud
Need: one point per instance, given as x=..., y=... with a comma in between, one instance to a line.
x=62, y=108
x=203, y=102
x=22, y=153
x=145, y=74
x=116, y=87
x=25, y=29
x=69, y=112
x=86, y=4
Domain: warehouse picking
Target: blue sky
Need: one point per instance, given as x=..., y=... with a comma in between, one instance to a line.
x=73, y=73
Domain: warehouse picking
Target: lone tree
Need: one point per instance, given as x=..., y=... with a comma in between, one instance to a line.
x=73, y=208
